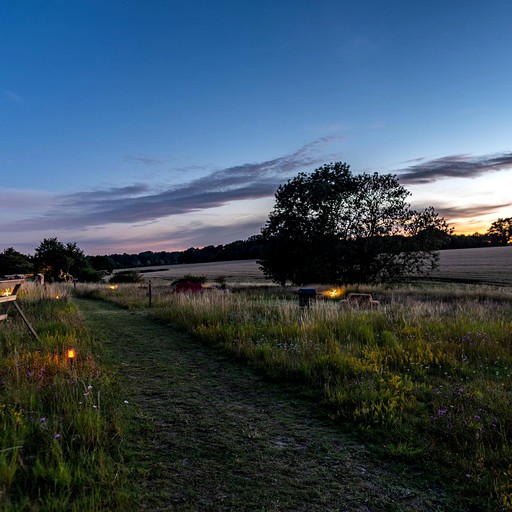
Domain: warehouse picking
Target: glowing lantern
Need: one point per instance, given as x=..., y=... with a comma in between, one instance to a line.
x=71, y=354
x=6, y=292
x=333, y=293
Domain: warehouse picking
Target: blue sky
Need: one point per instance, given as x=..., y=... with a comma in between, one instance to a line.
x=159, y=125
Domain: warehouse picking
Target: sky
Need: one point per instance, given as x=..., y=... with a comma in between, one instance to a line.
x=159, y=125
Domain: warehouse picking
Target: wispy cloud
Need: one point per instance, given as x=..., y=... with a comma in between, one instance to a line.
x=456, y=166
x=136, y=203
x=113, y=193
x=468, y=211
x=12, y=96
x=146, y=160
x=15, y=200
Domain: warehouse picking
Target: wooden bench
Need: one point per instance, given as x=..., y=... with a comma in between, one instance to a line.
x=8, y=291
x=360, y=300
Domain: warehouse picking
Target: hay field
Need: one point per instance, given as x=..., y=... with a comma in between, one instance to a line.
x=236, y=272
x=491, y=265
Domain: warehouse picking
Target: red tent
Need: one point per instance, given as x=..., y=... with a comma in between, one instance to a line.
x=188, y=286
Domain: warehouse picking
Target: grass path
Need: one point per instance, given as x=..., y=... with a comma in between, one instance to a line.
x=208, y=434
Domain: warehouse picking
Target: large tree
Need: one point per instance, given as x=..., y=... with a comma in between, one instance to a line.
x=56, y=260
x=13, y=262
x=500, y=231
x=331, y=226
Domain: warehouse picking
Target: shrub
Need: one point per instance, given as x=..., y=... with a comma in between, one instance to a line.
x=194, y=279
x=127, y=276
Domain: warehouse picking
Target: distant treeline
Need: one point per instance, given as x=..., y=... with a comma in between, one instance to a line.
x=53, y=257
x=470, y=241
x=249, y=249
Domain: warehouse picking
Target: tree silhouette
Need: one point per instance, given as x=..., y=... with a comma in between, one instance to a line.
x=500, y=231
x=54, y=259
x=13, y=262
x=331, y=226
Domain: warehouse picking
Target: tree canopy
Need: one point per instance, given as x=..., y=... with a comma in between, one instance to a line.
x=13, y=262
x=500, y=231
x=55, y=259
x=331, y=226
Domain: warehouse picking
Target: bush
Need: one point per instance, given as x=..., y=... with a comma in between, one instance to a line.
x=128, y=276
x=194, y=279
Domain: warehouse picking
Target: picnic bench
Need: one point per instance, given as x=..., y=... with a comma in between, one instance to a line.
x=8, y=291
x=360, y=301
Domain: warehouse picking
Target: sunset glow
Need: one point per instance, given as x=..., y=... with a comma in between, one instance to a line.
x=129, y=128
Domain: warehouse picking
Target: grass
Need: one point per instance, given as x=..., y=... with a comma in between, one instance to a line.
x=209, y=434
x=61, y=423
x=426, y=378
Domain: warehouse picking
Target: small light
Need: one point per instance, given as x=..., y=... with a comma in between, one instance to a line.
x=333, y=293
x=6, y=292
x=71, y=353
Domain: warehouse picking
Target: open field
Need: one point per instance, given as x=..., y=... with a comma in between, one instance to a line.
x=238, y=271
x=491, y=265
x=424, y=382
x=425, y=379
x=486, y=265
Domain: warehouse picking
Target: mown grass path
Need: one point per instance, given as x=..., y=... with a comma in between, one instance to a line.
x=208, y=434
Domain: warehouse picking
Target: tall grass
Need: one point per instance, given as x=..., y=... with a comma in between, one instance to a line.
x=60, y=421
x=427, y=376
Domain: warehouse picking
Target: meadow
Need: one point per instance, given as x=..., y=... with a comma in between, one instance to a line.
x=425, y=379
x=61, y=419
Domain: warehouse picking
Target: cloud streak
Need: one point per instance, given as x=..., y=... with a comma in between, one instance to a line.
x=12, y=96
x=146, y=160
x=456, y=166
x=138, y=204
x=475, y=210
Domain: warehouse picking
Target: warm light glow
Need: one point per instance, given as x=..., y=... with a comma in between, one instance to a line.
x=7, y=292
x=57, y=296
x=71, y=353
x=333, y=293
x=113, y=286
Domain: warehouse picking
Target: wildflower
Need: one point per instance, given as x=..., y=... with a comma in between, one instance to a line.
x=126, y=402
x=94, y=406
x=89, y=387
x=42, y=420
x=57, y=436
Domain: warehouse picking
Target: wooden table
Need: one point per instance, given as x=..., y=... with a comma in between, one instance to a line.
x=8, y=290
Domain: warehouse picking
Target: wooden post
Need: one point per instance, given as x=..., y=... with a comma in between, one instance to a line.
x=149, y=293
